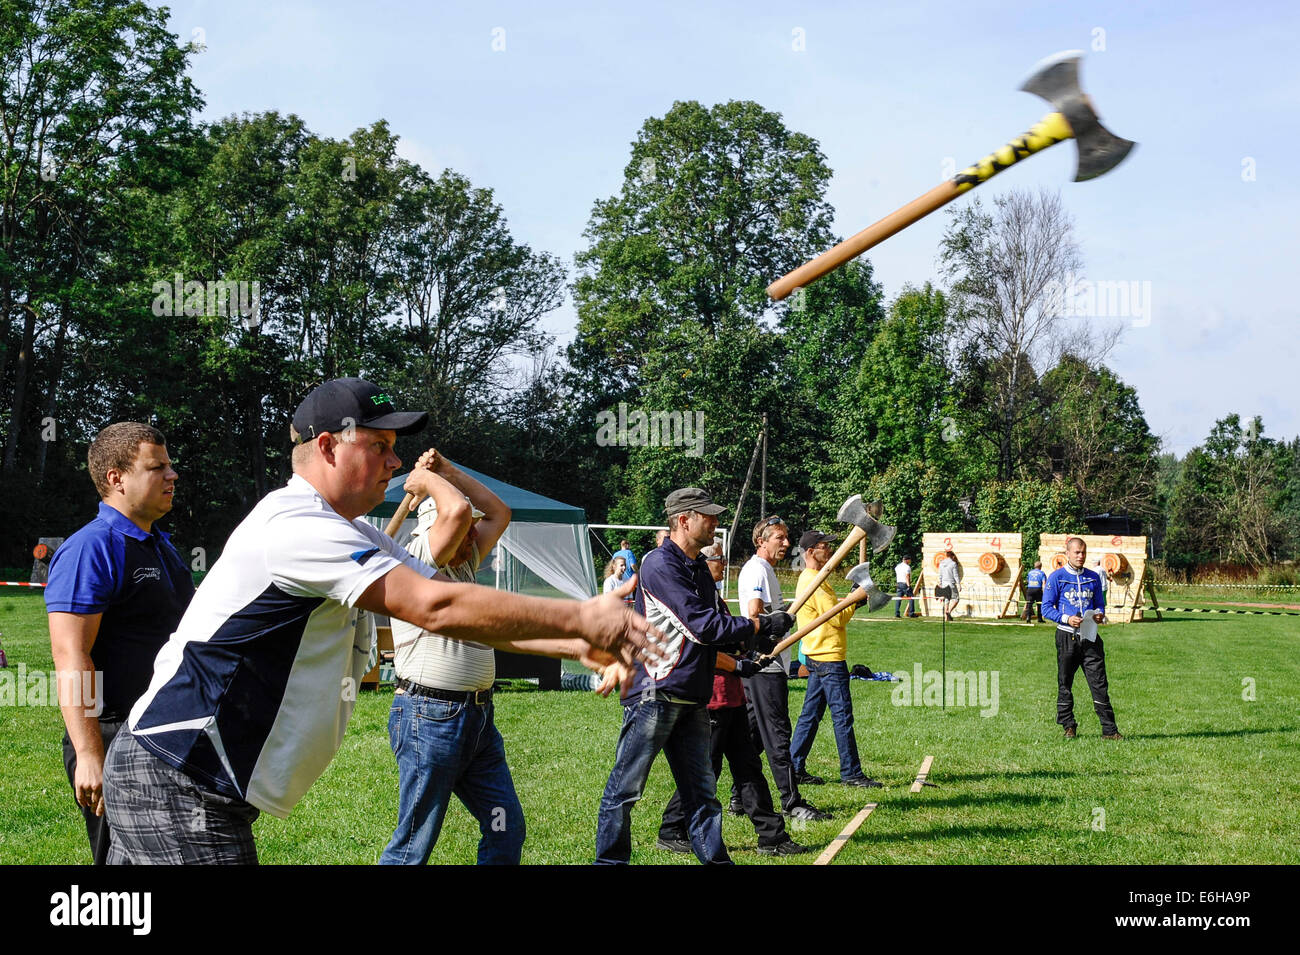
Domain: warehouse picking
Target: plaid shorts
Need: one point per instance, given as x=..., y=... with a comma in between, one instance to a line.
x=161, y=816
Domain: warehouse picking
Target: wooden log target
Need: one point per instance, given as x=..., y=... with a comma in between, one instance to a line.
x=1124, y=558
x=988, y=567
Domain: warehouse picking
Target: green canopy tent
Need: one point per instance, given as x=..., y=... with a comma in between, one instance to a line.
x=544, y=551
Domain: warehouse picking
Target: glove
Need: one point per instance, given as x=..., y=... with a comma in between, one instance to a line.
x=772, y=627
x=745, y=667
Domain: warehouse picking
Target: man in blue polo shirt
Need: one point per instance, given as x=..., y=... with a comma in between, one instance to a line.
x=117, y=589
x=1074, y=600
x=666, y=705
x=1034, y=591
x=629, y=558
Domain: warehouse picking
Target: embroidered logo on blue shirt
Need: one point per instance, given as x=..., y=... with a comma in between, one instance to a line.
x=361, y=556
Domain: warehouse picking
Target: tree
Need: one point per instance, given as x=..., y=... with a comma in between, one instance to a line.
x=1006, y=269
x=90, y=94
x=1229, y=505
x=895, y=405
x=715, y=203
x=1030, y=508
x=1105, y=444
x=471, y=298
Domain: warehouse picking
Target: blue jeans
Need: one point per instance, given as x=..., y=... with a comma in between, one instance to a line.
x=828, y=683
x=681, y=730
x=444, y=748
x=904, y=590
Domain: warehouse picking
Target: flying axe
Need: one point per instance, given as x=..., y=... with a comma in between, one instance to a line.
x=864, y=589
x=1056, y=79
x=865, y=526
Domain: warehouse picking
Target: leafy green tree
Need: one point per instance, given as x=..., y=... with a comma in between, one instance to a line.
x=1229, y=505
x=715, y=204
x=1030, y=508
x=1106, y=446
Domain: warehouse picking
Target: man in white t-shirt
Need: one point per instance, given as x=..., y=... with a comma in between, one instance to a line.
x=767, y=693
x=251, y=695
x=903, y=576
x=441, y=726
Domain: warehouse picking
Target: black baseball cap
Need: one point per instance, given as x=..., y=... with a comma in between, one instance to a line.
x=691, y=499
x=811, y=539
x=341, y=402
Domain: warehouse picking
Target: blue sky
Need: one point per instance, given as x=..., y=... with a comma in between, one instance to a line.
x=1205, y=210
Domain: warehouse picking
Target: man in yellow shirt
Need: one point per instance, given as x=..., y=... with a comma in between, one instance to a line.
x=828, y=674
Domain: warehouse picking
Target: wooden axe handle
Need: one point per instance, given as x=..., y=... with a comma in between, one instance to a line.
x=1050, y=130
x=850, y=542
x=400, y=515
x=856, y=596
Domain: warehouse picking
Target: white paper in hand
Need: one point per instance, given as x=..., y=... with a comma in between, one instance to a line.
x=1088, y=629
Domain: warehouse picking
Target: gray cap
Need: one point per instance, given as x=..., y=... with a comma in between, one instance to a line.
x=691, y=499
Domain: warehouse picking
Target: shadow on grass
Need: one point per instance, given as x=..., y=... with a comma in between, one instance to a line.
x=989, y=799
x=957, y=832
x=1211, y=733
x=1020, y=774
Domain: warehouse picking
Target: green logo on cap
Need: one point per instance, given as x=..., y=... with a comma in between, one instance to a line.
x=381, y=400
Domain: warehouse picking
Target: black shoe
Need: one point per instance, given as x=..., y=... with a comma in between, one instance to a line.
x=1070, y=732
x=808, y=779
x=680, y=846
x=787, y=848
x=866, y=782
x=736, y=807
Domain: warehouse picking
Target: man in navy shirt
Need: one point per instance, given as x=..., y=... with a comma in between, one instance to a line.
x=666, y=704
x=1075, y=602
x=1034, y=591
x=117, y=589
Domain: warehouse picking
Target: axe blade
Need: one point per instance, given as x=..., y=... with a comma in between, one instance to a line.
x=1056, y=79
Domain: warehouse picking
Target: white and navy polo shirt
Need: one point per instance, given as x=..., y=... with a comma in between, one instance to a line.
x=252, y=693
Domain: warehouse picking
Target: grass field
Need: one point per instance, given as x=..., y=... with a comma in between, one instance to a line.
x=1204, y=775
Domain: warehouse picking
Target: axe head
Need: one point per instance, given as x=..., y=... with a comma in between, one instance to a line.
x=861, y=578
x=854, y=511
x=1056, y=79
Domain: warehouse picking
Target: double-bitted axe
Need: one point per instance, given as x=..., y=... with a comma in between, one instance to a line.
x=1056, y=79
x=864, y=589
x=865, y=526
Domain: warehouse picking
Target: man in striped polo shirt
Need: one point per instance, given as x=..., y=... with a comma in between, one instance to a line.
x=441, y=727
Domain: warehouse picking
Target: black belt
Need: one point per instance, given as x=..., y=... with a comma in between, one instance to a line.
x=475, y=697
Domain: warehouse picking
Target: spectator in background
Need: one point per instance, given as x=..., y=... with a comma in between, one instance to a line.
x=629, y=560
x=614, y=576
x=949, y=588
x=1102, y=576
x=661, y=535
x=903, y=575
x=1034, y=591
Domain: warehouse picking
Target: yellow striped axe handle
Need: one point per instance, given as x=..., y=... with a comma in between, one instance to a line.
x=1056, y=79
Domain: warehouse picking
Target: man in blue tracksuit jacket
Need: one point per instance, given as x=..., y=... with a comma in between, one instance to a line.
x=1034, y=591
x=665, y=706
x=1072, y=592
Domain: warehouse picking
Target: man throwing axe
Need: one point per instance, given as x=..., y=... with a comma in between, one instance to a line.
x=1075, y=601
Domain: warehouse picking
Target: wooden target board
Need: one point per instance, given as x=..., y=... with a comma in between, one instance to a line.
x=1125, y=560
x=988, y=568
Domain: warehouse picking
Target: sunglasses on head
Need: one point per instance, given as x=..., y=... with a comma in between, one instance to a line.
x=773, y=521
